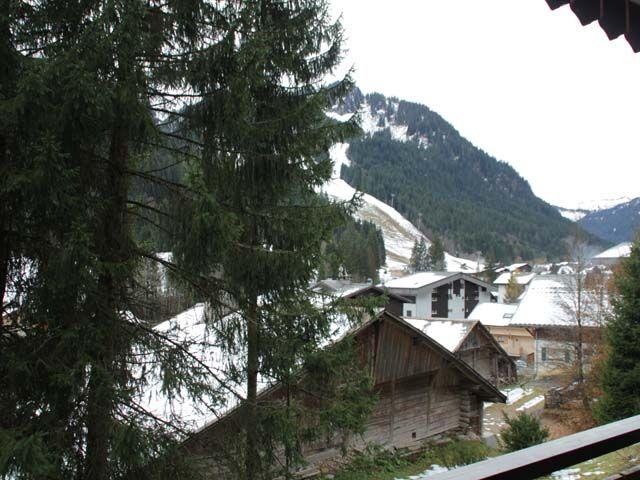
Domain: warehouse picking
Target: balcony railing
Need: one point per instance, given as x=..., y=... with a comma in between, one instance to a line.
x=543, y=459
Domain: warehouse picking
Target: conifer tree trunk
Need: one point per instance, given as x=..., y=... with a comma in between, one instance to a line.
x=113, y=253
x=252, y=456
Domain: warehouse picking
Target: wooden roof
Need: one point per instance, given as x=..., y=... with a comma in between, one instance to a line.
x=373, y=290
x=616, y=17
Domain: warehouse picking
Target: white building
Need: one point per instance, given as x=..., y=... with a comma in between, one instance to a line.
x=440, y=294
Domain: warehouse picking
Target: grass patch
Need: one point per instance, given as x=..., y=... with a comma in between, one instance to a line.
x=378, y=464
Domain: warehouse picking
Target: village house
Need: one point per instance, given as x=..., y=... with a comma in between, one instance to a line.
x=517, y=341
x=543, y=325
x=501, y=282
x=424, y=390
x=440, y=294
x=473, y=343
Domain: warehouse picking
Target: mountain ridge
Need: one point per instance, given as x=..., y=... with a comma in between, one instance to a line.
x=413, y=158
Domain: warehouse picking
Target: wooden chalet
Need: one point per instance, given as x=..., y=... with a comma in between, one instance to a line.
x=473, y=343
x=423, y=390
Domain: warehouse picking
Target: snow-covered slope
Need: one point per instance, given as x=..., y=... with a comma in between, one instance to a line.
x=572, y=214
x=398, y=232
x=584, y=208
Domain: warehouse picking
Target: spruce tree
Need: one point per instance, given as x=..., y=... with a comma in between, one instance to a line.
x=620, y=375
x=436, y=254
x=82, y=85
x=262, y=167
x=420, y=259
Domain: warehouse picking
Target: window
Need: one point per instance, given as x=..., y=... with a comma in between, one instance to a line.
x=409, y=313
x=544, y=354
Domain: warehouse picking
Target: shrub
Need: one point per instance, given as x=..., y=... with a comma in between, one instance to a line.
x=522, y=431
x=456, y=453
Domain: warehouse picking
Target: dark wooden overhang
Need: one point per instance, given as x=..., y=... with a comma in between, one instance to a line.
x=374, y=290
x=616, y=17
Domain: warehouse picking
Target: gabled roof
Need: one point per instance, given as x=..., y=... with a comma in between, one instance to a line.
x=549, y=301
x=432, y=279
x=377, y=291
x=490, y=391
x=452, y=334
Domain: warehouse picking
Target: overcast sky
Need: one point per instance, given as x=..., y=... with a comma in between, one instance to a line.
x=531, y=86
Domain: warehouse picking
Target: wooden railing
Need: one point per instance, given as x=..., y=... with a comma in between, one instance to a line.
x=549, y=457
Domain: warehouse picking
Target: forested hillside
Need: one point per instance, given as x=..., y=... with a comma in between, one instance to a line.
x=412, y=157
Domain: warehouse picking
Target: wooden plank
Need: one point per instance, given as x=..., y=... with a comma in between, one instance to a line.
x=533, y=462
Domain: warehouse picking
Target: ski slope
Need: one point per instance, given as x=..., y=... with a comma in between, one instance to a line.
x=398, y=232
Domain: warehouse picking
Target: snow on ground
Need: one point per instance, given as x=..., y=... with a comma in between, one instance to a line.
x=531, y=403
x=567, y=474
x=399, y=233
x=516, y=394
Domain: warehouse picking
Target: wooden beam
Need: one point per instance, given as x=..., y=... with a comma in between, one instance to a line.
x=533, y=462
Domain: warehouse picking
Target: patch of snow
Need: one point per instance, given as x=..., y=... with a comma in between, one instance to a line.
x=398, y=132
x=531, y=403
x=340, y=117
x=573, y=215
x=567, y=474
x=516, y=394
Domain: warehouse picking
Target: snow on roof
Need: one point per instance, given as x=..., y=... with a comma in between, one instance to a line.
x=448, y=333
x=190, y=329
x=511, y=268
x=418, y=280
x=503, y=278
x=547, y=301
x=621, y=250
x=493, y=314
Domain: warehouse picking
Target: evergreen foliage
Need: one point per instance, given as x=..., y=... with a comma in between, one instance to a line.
x=436, y=254
x=420, y=258
x=620, y=374
x=458, y=191
x=522, y=431
x=356, y=249
x=265, y=138
x=513, y=290
x=125, y=128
